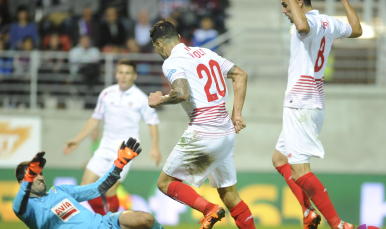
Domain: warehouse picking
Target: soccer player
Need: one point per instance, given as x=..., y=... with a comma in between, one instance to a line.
x=121, y=106
x=196, y=76
x=60, y=208
x=304, y=105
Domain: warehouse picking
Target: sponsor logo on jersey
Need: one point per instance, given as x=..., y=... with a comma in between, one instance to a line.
x=12, y=138
x=65, y=210
x=171, y=73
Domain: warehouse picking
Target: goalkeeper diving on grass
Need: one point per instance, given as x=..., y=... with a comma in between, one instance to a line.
x=60, y=207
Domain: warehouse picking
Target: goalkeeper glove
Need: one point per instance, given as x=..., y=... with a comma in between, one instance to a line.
x=35, y=167
x=126, y=152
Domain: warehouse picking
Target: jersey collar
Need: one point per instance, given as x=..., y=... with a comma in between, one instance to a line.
x=180, y=45
x=130, y=90
x=313, y=12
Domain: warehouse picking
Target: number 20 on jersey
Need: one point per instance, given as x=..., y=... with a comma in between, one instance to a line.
x=212, y=75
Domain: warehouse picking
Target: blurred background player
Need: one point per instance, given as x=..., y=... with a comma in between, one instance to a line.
x=206, y=147
x=60, y=207
x=304, y=105
x=121, y=106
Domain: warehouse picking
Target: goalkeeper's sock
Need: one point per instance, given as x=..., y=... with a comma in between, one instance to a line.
x=185, y=194
x=243, y=216
x=97, y=205
x=316, y=191
x=112, y=203
x=285, y=171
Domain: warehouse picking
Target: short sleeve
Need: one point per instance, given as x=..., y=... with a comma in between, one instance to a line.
x=100, y=108
x=340, y=30
x=225, y=65
x=173, y=71
x=149, y=115
x=312, y=26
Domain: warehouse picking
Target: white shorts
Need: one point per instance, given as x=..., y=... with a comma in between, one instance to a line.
x=299, y=139
x=103, y=160
x=194, y=159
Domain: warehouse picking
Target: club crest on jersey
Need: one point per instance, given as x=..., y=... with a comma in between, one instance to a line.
x=65, y=210
x=324, y=24
x=54, y=190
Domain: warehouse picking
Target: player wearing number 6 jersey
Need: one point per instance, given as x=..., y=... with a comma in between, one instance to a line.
x=304, y=105
x=196, y=76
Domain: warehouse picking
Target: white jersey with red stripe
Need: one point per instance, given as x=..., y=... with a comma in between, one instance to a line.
x=122, y=112
x=205, y=72
x=309, y=54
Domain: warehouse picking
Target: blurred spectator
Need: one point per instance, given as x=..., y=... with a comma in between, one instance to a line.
x=142, y=29
x=52, y=64
x=4, y=12
x=131, y=46
x=21, y=63
x=5, y=63
x=135, y=6
x=83, y=54
x=78, y=6
x=119, y=5
x=167, y=7
x=205, y=34
x=112, y=31
x=13, y=6
x=214, y=9
x=86, y=26
x=4, y=33
x=49, y=42
x=22, y=29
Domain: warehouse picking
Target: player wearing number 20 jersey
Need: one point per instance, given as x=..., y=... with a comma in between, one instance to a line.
x=303, y=114
x=204, y=71
x=205, y=150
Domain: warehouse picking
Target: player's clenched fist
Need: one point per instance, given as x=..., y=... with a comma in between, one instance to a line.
x=126, y=152
x=35, y=167
x=155, y=99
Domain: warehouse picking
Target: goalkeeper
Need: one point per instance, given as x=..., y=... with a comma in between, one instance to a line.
x=60, y=208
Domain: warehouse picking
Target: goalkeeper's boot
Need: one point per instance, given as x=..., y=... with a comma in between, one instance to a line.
x=344, y=225
x=311, y=219
x=215, y=214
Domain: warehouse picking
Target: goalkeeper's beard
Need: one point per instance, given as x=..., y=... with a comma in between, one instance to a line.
x=39, y=188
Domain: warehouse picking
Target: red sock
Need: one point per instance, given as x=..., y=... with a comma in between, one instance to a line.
x=285, y=171
x=97, y=205
x=112, y=203
x=185, y=194
x=242, y=216
x=316, y=191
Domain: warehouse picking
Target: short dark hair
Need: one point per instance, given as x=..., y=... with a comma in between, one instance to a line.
x=21, y=169
x=163, y=29
x=307, y=2
x=128, y=63
x=22, y=8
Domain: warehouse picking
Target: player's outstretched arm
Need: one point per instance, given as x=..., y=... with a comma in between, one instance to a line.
x=126, y=152
x=20, y=205
x=353, y=20
x=239, y=78
x=88, y=128
x=299, y=18
x=180, y=92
